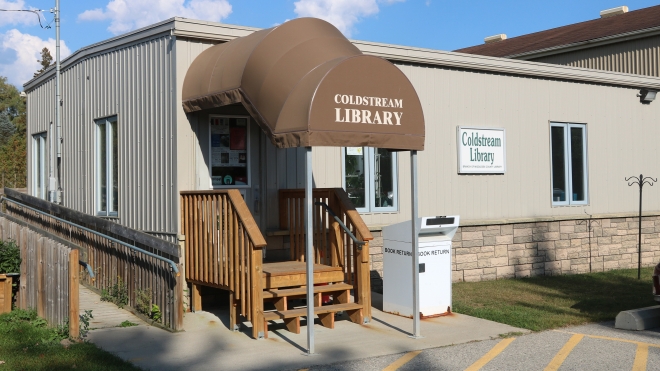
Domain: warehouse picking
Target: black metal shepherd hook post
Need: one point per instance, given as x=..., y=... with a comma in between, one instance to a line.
x=640, y=182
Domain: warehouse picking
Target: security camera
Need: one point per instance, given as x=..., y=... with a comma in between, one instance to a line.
x=23, y=95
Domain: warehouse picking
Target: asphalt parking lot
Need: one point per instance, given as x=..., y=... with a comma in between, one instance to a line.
x=589, y=347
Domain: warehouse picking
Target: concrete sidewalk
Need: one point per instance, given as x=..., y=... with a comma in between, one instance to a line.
x=207, y=344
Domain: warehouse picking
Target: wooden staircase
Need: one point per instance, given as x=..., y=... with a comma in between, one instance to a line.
x=224, y=250
x=277, y=275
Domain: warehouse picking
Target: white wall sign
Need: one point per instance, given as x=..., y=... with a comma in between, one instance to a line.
x=481, y=150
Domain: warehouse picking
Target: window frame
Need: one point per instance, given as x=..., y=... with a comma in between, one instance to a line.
x=369, y=154
x=568, y=164
x=248, y=149
x=41, y=157
x=109, y=165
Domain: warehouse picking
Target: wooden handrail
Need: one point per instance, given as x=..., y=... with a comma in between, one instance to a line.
x=353, y=215
x=242, y=210
x=224, y=250
x=332, y=245
x=246, y=218
x=346, y=204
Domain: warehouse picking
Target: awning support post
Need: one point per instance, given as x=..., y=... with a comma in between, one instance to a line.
x=309, y=249
x=415, y=245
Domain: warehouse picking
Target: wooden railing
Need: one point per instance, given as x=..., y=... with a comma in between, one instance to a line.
x=224, y=249
x=353, y=258
x=109, y=260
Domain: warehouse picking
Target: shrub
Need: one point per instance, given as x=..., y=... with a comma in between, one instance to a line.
x=118, y=293
x=10, y=257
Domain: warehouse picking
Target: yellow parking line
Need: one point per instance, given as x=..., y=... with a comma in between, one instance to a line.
x=640, y=357
x=616, y=339
x=497, y=349
x=402, y=361
x=564, y=352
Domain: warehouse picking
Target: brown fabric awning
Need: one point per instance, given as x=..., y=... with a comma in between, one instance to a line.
x=306, y=85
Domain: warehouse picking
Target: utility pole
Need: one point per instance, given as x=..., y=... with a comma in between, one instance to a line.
x=58, y=107
x=54, y=133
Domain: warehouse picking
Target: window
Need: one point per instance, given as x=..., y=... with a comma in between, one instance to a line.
x=107, y=167
x=370, y=178
x=39, y=188
x=569, y=164
x=229, y=151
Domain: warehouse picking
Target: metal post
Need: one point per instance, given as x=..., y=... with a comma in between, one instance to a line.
x=51, y=163
x=415, y=245
x=639, y=252
x=309, y=250
x=640, y=182
x=58, y=106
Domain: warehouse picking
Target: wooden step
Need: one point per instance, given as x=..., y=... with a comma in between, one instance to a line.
x=293, y=273
x=302, y=291
x=301, y=312
x=326, y=314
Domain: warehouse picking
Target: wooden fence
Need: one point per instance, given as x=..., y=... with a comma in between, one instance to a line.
x=224, y=248
x=49, y=276
x=5, y=293
x=111, y=261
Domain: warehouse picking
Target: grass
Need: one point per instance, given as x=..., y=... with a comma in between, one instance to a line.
x=26, y=343
x=541, y=303
x=127, y=323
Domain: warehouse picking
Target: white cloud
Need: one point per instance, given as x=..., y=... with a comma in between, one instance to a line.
x=26, y=52
x=343, y=14
x=16, y=18
x=127, y=15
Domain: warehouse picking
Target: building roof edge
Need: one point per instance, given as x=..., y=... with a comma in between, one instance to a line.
x=184, y=27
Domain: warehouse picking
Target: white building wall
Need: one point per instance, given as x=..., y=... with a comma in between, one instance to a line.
x=621, y=135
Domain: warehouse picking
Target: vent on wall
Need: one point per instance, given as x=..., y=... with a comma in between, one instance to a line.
x=614, y=11
x=494, y=38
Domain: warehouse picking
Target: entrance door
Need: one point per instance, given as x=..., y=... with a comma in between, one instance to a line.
x=234, y=158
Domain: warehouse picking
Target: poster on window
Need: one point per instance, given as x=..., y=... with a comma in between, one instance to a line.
x=229, y=151
x=481, y=150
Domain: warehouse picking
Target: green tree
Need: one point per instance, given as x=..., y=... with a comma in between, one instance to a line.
x=13, y=159
x=11, y=102
x=45, y=62
x=7, y=129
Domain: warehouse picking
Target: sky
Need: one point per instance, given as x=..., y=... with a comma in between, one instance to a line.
x=433, y=24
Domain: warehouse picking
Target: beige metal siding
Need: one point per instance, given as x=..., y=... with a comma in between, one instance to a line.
x=135, y=82
x=638, y=56
x=621, y=134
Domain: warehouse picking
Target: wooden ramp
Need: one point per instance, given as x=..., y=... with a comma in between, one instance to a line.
x=105, y=314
